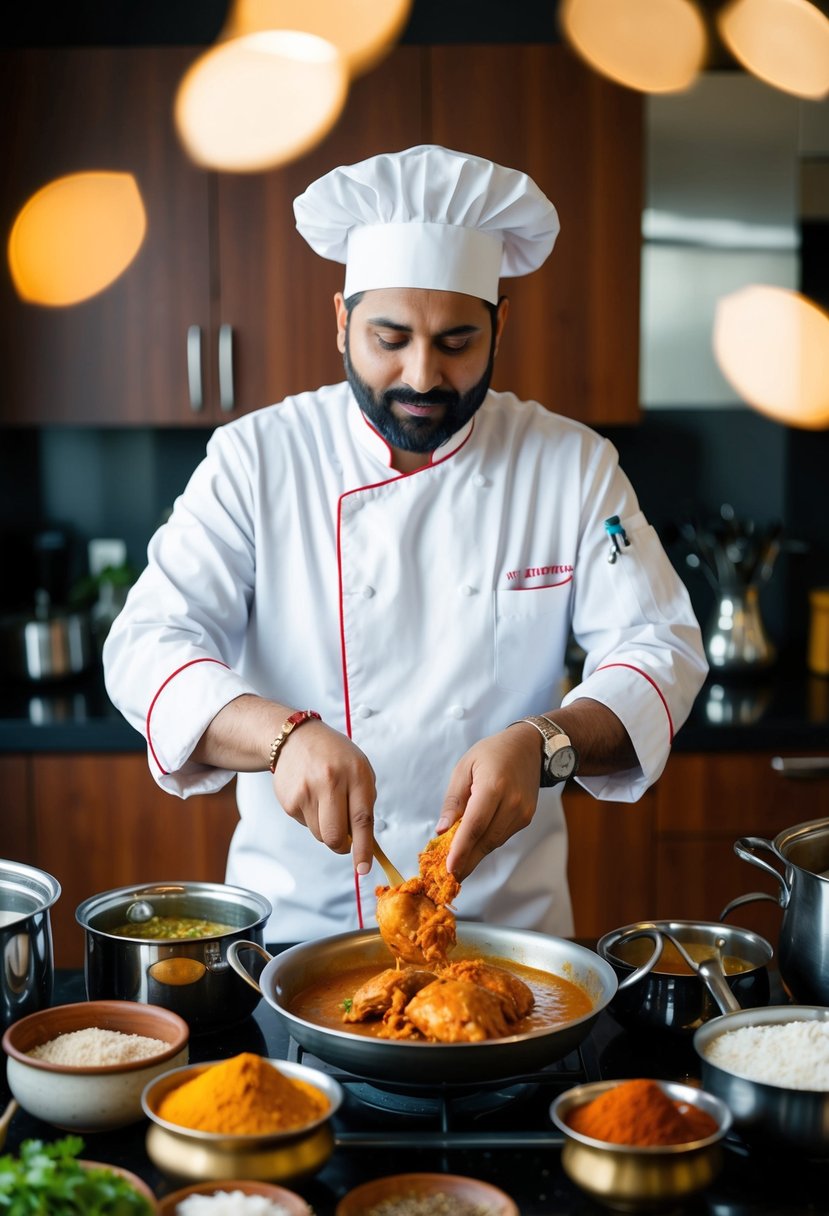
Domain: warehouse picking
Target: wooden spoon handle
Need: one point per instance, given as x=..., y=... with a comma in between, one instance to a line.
x=5, y=1120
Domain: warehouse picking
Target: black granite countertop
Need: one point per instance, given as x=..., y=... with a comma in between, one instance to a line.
x=785, y=709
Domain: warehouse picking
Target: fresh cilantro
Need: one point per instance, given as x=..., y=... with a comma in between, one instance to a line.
x=347, y=1003
x=47, y=1180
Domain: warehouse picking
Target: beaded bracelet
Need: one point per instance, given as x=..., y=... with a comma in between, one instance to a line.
x=291, y=723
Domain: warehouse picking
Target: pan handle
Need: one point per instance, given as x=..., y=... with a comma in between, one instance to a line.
x=745, y=848
x=648, y=965
x=239, y=967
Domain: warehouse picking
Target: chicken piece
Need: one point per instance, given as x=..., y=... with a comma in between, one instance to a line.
x=517, y=996
x=413, y=927
x=396, y=1023
x=455, y=1011
x=438, y=883
x=372, y=999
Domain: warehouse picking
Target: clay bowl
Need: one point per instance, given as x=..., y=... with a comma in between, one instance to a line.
x=289, y=1200
x=397, y=1186
x=89, y=1098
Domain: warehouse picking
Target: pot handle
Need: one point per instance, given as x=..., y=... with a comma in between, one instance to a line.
x=239, y=967
x=744, y=848
x=751, y=898
x=648, y=965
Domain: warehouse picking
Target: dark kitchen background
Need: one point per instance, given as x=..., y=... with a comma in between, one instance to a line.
x=119, y=481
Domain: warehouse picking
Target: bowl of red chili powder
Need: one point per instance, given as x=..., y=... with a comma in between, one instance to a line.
x=639, y=1145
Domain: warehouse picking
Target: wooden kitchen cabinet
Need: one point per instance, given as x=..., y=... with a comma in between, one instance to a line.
x=96, y=822
x=222, y=252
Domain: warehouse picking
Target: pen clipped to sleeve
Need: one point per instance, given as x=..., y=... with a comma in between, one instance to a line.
x=618, y=537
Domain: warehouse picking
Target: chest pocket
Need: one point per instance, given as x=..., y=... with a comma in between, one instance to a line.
x=531, y=631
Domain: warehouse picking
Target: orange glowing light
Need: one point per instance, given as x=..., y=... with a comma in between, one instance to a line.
x=654, y=46
x=772, y=345
x=75, y=236
x=364, y=31
x=260, y=100
x=783, y=42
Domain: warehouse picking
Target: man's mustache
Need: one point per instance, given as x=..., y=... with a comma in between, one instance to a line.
x=438, y=396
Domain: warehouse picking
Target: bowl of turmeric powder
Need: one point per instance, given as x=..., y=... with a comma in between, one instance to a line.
x=638, y=1145
x=244, y=1117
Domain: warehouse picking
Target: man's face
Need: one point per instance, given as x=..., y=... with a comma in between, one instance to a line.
x=419, y=362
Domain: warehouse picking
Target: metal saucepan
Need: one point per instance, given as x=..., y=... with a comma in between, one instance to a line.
x=192, y=977
x=648, y=999
x=803, y=946
x=26, y=953
x=771, y=1114
x=431, y=1063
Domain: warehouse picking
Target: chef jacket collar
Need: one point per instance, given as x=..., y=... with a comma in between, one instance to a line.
x=373, y=442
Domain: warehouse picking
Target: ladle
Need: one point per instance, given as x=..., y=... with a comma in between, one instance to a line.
x=710, y=970
x=139, y=912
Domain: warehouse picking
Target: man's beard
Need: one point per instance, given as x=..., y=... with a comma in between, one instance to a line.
x=411, y=434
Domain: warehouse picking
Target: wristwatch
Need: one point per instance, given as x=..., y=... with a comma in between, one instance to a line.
x=560, y=759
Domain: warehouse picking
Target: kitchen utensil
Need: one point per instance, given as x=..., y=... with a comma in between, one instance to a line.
x=710, y=970
x=26, y=953
x=90, y=1098
x=195, y=1156
x=792, y=1118
x=5, y=1119
x=395, y=878
x=192, y=977
x=640, y=1179
x=431, y=1063
x=803, y=894
x=648, y=999
x=52, y=644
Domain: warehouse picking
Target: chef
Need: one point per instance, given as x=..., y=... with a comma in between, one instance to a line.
x=362, y=599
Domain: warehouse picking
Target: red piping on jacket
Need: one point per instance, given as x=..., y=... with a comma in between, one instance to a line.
x=177, y=672
x=655, y=686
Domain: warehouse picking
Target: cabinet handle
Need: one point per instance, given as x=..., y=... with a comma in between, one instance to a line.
x=194, y=383
x=226, y=367
x=801, y=766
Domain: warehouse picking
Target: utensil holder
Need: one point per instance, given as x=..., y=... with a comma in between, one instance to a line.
x=736, y=638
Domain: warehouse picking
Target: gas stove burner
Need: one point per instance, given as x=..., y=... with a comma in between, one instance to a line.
x=429, y=1103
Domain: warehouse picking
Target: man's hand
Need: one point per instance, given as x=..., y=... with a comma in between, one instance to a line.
x=495, y=788
x=325, y=782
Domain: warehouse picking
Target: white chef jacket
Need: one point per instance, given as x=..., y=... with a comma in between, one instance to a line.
x=417, y=613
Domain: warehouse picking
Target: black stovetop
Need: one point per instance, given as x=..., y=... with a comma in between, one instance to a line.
x=500, y=1132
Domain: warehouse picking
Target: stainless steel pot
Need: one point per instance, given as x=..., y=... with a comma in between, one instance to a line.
x=26, y=895
x=53, y=646
x=803, y=894
x=403, y=1062
x=191, y=977
x=649, y=1000
x=794, y=1118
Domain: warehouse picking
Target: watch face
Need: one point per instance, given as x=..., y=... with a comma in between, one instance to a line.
x=562, y=762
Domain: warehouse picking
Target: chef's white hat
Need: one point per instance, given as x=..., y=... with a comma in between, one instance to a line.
x=428, y=217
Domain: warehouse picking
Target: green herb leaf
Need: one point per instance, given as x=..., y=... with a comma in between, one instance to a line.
x=47, y=1180
x=347, y=1003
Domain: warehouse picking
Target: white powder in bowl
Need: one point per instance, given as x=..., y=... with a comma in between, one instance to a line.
x=793, y=1055
x=230, y=1203
x=93, y=1047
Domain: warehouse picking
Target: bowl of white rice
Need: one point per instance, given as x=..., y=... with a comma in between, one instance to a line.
x=231, y=1198
x=83, y=1067
x=771, y=1068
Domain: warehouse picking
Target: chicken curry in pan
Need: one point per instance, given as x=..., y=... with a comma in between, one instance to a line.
x=426, y=996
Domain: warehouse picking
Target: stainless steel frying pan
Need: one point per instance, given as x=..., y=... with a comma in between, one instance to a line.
x=389, y=1060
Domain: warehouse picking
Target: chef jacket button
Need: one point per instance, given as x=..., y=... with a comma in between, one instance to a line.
x=466, y=589
x=363, y=711
x=380, y=825
x=368, y=593
x=456, y=711
x=479, y=480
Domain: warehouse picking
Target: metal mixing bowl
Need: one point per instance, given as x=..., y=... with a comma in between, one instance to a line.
x=640, y=1179
x=192, y=976
x=27, y=969
x=195, y=1156
x=770, y=1114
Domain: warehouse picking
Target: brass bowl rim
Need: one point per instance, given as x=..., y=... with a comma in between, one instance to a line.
x=579, y=1094
x=166, y=1081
